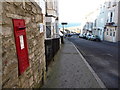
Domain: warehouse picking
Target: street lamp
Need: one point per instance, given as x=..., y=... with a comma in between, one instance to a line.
x=63, y=23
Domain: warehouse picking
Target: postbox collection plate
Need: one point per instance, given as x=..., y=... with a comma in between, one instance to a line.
x=21, y=44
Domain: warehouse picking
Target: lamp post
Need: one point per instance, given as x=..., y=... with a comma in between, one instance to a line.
x=63, y=23
x=62, y=40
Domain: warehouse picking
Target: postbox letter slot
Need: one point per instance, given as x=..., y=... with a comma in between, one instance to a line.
x=21, y=27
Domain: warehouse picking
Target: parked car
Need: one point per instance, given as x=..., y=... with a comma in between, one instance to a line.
x=84, y=35
x=80, y=35
x=77, y=34
x=92, y=37
x=95, y=38
x=68, y=35
x=88, y=36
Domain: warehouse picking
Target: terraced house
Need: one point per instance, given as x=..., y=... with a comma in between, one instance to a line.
x=52, y=19
x=106, y=24
x=112, y=27
x=52, y=39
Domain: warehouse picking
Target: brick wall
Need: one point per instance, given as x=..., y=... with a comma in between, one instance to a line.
x=35, y=73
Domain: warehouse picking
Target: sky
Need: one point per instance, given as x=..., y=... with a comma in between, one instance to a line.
x=74, y=10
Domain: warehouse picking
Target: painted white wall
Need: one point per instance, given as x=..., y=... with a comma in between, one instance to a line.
x=52, y=9
x=42, y=5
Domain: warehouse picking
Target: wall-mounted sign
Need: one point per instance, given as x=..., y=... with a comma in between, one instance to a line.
x=41, y=27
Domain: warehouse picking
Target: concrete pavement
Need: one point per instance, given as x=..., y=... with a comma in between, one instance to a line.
x=70, y=70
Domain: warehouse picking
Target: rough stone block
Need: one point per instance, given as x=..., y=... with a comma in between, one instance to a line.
x=31, y=81
x=10, y=8
x=25, y=84
x=34, y=26
x=9, y=1
x=31, y=56
x=6, y=21
x=1, y=9
x=28, y=7
x=0, y=74
x=27, y=20
x=34, y=9
x=9, y=68
x=37, y=18
x=7, y=31
x=13, y=16
x=17, y=3
x=34, y=42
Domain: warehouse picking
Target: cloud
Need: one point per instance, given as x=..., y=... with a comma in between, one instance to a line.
x=75, y=10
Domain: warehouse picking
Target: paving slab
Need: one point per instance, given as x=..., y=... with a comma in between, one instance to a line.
x=70, y=70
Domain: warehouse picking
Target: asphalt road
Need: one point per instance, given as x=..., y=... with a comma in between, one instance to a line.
x=102, y=57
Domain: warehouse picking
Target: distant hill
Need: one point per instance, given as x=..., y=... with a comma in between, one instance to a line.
x=70, y=25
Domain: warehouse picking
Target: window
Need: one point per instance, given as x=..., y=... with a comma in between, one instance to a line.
x=107, y=31
x=110, y=32
x=113, y=34
x=95, y=23
x=104, y=30
x=107, y=20
x=91, y=25
x=101, y=32
x=111, y=15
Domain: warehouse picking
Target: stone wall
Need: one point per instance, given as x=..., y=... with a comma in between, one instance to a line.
x=0, y=45
x=35, y=73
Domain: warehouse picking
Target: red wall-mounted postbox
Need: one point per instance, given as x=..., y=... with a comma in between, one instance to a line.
x=21, y=44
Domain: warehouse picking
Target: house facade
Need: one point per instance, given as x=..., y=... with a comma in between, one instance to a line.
x=106, y=23
x=101, y=21
x=90, y=22
x=52, y=29
x=52, y=39
x=111, y=25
